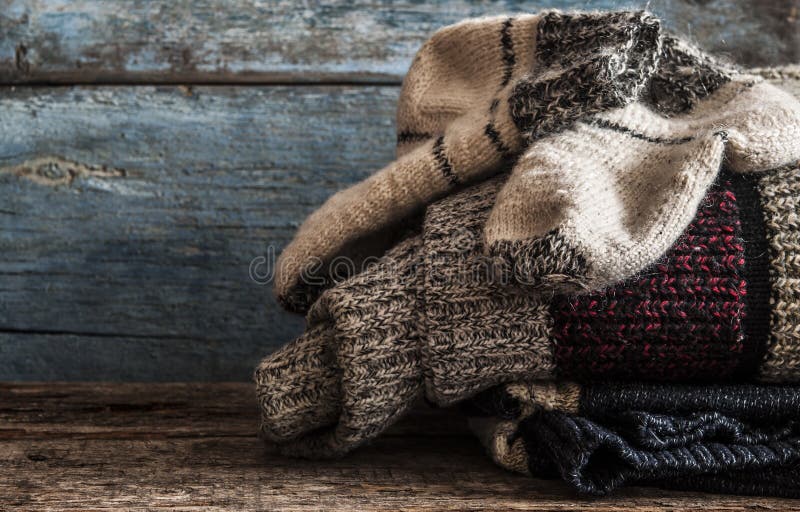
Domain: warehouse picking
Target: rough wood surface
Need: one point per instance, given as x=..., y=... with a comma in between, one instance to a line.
x=169, y=41
x=130, y=218
x=192, y=447
x=131, y=215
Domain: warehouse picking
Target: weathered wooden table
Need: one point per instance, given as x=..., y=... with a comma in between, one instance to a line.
x=193, y=447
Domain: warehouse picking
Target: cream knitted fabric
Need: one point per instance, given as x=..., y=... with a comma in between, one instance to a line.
x=596, y=204
x=474, y=92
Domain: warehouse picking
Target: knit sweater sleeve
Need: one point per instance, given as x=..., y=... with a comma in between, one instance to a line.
x=477, y=330
x=424, y=319
x=356, y=368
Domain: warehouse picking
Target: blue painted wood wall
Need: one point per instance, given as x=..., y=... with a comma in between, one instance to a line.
x=151, y=150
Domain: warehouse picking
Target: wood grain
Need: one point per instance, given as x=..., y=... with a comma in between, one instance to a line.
x=192, y=447
x=369, y=41
x=131, y=216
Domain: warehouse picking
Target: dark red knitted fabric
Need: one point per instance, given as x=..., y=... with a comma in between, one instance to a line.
x=680, y=320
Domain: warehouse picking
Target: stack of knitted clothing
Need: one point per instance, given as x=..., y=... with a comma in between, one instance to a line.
x=632, y=217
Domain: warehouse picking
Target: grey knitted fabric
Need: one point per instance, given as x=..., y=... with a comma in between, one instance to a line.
x=355, y=369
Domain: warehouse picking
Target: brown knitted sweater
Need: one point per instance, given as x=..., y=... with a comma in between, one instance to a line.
x=359, y=364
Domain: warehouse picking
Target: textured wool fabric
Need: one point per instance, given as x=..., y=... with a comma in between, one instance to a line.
x=475, y=91
x=594, y=205
x=654, y=121
x=356, y=367
x=602, y=436
x=433, y=318
x=360, y=363
x=684, y=317
x=780, y=196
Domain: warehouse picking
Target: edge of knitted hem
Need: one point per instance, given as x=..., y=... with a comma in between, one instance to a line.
x=756, y=321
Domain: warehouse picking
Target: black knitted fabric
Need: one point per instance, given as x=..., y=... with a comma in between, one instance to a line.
x=756, y=324
x=742, y=439
x=657, y=450
x=742, y=401
x=777, y=482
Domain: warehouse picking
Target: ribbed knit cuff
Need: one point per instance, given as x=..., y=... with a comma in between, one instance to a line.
x=477, y=331
x=355, y=370
x=490, y=341
x=299, y=386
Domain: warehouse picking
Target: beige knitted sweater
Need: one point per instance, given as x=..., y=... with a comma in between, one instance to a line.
x=582, y=97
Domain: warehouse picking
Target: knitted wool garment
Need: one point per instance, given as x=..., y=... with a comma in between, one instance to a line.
x=596, y=204
x=734, y=438
x=432, y=317
x=473, y=92
x=571, y=216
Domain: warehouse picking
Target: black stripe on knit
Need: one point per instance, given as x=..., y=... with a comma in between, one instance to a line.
x=756, y=323
x=498, y=144
x=602, y=401
x=408, y=136
x=443, y=162
x=507, y=44
x=608, y=125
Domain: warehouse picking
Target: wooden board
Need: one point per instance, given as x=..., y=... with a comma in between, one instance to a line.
x=201, y=41
x=131, y=216
x=192, y=447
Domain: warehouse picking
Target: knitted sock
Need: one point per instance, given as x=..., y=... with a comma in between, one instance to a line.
x=430, y=318
x=603, y=436
x=473, y=91
x=596, y=204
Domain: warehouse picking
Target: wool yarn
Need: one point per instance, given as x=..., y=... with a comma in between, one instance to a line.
x=593, y=205
x=585, y=207
x=433, y=318
x=734, y=438
x=473, y=93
